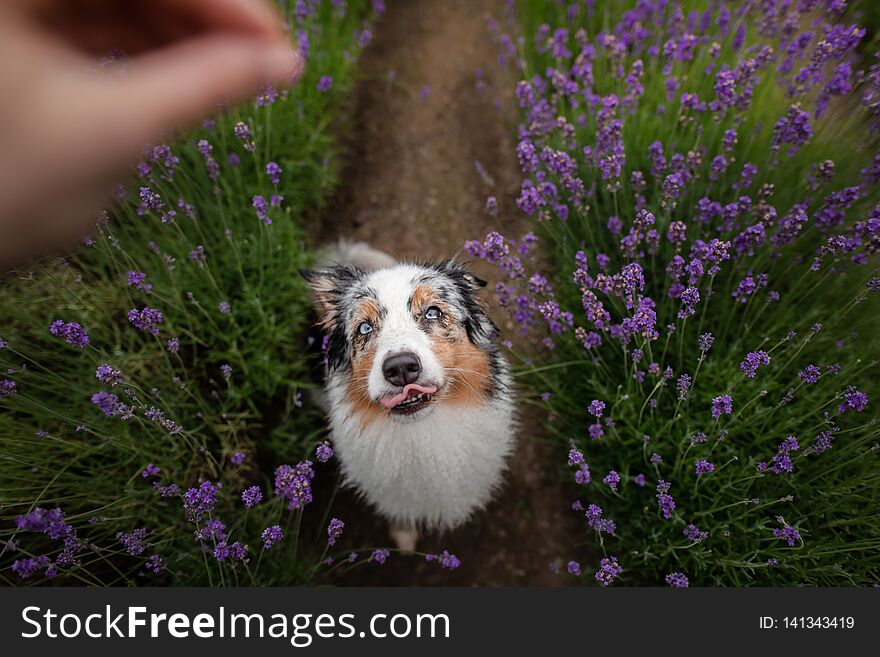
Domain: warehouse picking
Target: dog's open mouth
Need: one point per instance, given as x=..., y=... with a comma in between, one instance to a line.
x=411, y=399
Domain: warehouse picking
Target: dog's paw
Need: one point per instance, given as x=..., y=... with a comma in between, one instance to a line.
x=405, y=537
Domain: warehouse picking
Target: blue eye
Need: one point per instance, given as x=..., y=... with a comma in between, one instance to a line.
x=365, y=328
x=433, y=313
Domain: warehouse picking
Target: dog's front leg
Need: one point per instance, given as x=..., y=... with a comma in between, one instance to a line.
x=404, y=536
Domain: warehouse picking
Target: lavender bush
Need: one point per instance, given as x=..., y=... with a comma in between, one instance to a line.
x=702, y=280
x=152, y=382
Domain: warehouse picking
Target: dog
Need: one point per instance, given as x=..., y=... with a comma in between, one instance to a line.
x=418, y=395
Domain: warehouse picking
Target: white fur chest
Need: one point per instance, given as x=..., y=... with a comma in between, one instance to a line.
x=434, y=471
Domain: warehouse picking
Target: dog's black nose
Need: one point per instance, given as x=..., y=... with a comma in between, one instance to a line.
x=402, y=369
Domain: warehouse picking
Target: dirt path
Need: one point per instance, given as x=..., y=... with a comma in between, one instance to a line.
x=429, y=146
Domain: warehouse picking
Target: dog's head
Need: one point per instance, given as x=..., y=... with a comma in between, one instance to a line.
x=406, y=338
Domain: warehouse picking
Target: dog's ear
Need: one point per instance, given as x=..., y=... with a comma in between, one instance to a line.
x=461, y=273
x=328, y=286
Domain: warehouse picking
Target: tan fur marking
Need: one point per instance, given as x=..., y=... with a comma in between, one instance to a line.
x=466, y=365
x=366, y=408
x=367, y=310
x=422, y=297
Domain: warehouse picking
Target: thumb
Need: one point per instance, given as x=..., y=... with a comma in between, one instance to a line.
x=178, y=85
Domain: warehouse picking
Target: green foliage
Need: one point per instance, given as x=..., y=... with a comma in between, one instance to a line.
x=56, y=447
x=831, y=497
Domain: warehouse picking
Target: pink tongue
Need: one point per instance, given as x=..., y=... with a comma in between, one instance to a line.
x=406, y=393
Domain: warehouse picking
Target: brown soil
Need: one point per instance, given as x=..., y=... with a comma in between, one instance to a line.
x=415, y=186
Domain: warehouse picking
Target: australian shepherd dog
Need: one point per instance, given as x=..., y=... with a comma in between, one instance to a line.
x=418, y=395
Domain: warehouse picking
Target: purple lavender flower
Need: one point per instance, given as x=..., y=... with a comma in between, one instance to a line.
x=27, y=568
x=810, y=374
x=334, y=530
x=719, y=166
x=698, y=438
x=380, y=556
x=7, y=388
x=173, y=345
x=612, y=479
x=695, y=534
x=609, y=570
x=133, y=541
x=786, y=533
x=50, y=522
x=595, y=521
x=722, y=404
x=683, y=385
x=155, y=564
x=224, y=551
x=295, y=484
x=664, y=499
x=170, y=490
x=198, y=255
x=823, y=442
x=262, y=208
x=781, y=461
x=676, y=233
x=853, y=400
x=690, y=297
x=150, y=200
x=274, y=171
x=704, y=467
x=752, y=361
x=671, y=189
x=109, y=404
x=108, y=375
x=226, y=370
x=725, y=87
x=138, y=280
x=705, y=342
x=324, y=452
x=252, y=496
x=582, y=476
x=158, y=416
x=640, y=480
x=198, y=502
x=150, y=470
x=271, y=536
x=575, y=457
x=211, y=532
x=794, y=128
x=677, y=580
x=243, y=132
x=615, y=225
x=72, y=332
x=224, y=308
x=573, y=568
x=237, y=458
x=146, y=319
x=448, y=561
x=325, y=83
x=596, y=408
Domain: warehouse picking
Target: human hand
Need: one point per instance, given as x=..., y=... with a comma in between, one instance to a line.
x=68, y=133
